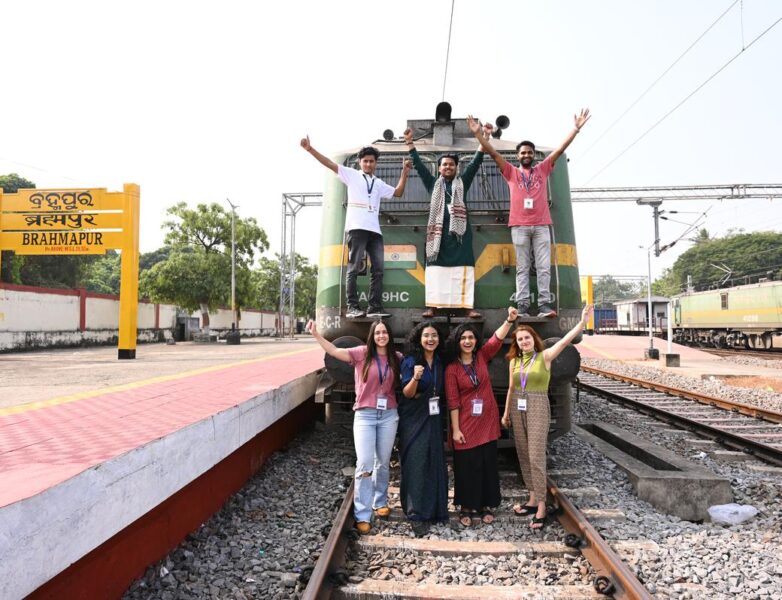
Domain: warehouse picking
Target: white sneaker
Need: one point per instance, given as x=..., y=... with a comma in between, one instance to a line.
x=377, y=313
x=354, y=313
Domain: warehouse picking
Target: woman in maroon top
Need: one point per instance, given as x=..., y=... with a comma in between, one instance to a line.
x=475, y=420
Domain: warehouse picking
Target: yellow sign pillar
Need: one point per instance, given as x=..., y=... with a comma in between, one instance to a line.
x=80, y=221
x=587, y=297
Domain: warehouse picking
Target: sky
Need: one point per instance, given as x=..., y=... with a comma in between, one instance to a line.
x=202, y=101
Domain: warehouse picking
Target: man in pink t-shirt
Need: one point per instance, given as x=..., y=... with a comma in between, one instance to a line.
x=529, y=213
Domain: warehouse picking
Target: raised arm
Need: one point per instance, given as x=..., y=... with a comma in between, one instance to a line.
x=324, y=160
x=426, y=177
x=400, y=187
x=578, y=121
x=338, y=353
x=486, y=146
x=551, y=353
x=504, y=329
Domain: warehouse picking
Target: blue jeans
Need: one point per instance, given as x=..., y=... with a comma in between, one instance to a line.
x=373, y=434
x=532, y=239
x=360, y=241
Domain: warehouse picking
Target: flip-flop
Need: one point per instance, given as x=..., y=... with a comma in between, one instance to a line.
x=539, y=521
x=525, y=511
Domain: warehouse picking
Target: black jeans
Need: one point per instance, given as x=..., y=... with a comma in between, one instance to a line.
x=360, y=241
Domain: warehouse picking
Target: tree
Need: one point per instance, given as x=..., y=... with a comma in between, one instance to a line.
x=607, y=290
x=267, y=285
x=197, y=271
x=11, y=264
x=748, y=256
x=103, y=274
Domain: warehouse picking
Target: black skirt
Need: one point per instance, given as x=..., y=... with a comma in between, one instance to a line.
x=476, y=480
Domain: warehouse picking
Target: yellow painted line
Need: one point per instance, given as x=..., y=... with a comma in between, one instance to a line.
x=13, y=410
x=596, y=351
x=563, y=255
x=418, y=273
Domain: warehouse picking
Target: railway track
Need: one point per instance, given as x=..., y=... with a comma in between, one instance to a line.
x=774, y=354
x=394, y=564
x=739, y=426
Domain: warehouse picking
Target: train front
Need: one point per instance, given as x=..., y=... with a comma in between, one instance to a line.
x=403, y=224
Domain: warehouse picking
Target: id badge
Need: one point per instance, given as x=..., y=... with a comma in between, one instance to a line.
x=434, y=405
x=477, y=407
x=382, y=403
x=370, y=208
x=521, y=401
x=529, y=203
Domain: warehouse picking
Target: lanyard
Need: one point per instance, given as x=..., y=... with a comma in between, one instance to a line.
x=380, y=374
x=525, y=371
x=433, y=371
x=472, y=373
x=527, y=181
x=369, y=187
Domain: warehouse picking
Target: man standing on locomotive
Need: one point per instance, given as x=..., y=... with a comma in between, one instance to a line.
x=530, y=217
x=365, y=191
x=450, y=261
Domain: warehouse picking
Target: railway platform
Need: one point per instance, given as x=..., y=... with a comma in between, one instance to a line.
x=106, y=465
x=695, y=363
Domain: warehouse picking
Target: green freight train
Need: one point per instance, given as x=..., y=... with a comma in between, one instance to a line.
x=745, y=316
x=403, y=222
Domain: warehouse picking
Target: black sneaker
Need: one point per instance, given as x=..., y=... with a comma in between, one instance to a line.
x=354, y=313
x=524, y=311
x=546, y=311
x=377, y=313
x=420, y=528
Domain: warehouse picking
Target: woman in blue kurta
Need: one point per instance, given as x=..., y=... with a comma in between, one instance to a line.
x=450, y=262
x=424, y=482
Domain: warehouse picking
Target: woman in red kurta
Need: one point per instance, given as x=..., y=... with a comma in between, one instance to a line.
x=475, y=420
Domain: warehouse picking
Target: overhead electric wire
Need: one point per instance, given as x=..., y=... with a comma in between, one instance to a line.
x=690, y=95
x=656, y=81
x=42, y=170
x=448, y=49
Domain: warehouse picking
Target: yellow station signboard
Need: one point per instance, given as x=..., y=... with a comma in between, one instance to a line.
x=80, y=221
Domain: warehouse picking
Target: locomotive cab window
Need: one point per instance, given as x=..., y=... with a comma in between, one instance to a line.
x=724, y=301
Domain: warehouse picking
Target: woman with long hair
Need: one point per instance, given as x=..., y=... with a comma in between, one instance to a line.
x=475, y=417
x=527, y=408
x=424, y=481
x=376, y=372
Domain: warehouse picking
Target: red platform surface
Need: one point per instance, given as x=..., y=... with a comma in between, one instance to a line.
x=44, y=444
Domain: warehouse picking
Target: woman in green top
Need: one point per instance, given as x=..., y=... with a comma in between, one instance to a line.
x=450, y=262
x=527, y=408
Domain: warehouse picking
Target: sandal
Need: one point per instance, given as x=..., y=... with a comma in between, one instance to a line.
x=487, y=516
x=525, y=511
x=538, y=523
x=465, y=518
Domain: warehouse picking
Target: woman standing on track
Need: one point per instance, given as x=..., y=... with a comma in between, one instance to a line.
x=475, y=425
x=376, y=372
x=424, y=485
x=527, y=407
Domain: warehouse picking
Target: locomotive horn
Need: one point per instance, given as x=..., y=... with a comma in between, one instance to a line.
x=502, y=122
x=442, y=114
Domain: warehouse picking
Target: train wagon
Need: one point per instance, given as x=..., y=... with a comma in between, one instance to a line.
x=746, y=316
x=403, y=222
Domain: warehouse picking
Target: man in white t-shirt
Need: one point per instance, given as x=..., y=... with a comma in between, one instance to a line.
x=365, y=191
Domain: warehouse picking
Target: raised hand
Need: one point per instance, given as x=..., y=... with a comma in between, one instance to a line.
x=408, y=134
x=407, y=164
x=418, y=372
x=513, y=313
x=585, y=314
x=305, y=143
x=581, y=118
x=488, y=128
x=310, y=326
x=473, y=124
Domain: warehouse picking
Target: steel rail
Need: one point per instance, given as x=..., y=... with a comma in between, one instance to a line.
x=728, y=438
x=739, y=407
x=332, y=556
x=607, y=564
